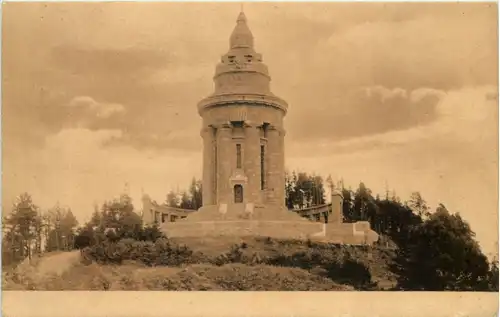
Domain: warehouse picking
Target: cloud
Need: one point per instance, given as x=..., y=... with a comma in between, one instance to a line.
x=407, y=64
x=69, y=140
x=437, y=53
x=160, y=70
x=145, y=94
x=97, y=61
x=173, y=140
x=363, y=112
x=76, y=168
x=466, y=115
x=101, y=110
x=183, y=74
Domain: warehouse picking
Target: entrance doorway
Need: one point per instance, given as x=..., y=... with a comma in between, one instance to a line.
x=238, y=194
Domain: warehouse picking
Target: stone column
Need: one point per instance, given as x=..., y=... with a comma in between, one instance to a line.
x=337, y=202
x=280, y=172
x=207, y=134
x=224, y=135
x=252, y=162
x=274, y=165
x=147, y=210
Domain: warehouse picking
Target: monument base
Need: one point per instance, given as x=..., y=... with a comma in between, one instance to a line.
x=274, y=229
x=357, y=233
x=238, y=220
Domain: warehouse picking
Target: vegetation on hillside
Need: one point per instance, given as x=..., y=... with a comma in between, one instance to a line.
x=27, y=230
x=418, y=249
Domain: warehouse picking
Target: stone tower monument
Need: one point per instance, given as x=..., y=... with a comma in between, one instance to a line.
x=243, y=135
x=243, y=152
x=244, y=159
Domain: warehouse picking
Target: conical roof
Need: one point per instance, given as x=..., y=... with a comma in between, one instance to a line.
x=241, y=75
x=242, y=36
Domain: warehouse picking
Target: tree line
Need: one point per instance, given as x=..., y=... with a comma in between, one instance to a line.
x=388, y=216
x=27, y=230
x=434, y=249
x=302, y=191
x=192, y=198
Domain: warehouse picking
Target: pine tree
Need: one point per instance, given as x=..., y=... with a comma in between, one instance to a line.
x=418, y=205
x=24, y=222
x=172, y=200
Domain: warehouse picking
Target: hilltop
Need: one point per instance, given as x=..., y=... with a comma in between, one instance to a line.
x=240, y=264
x=417, y=251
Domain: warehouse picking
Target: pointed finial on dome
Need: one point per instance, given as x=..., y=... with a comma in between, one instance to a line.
x=241, y=36
x=241, y=16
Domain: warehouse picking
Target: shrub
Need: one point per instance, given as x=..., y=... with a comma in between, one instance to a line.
x=493, y=277
x=352, y=272
x=171, y=254
x=82, y=241
x=90, y=236
x=234, y=255
x=337, y=262
x=160, y=252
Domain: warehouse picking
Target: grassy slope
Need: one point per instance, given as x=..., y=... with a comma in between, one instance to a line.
x=375, y=258
x=232, y=276
x=193, y=277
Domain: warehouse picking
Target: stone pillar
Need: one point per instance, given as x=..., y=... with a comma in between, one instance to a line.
x=337, y=208
x=207, y=134
x=224, y=135
x=273, y=166
x=280, y=174
x=252, y=162
x=147, y=210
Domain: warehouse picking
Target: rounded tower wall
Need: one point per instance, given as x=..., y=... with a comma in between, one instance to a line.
x=242, y=82
x=241, y=112
x=243, y=135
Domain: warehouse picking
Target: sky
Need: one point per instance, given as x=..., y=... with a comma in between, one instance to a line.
x=98, y=98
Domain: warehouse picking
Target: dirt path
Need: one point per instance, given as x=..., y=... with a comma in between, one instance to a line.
x=58, y=263
x=48, y=265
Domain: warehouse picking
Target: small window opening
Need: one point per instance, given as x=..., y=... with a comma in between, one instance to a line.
x=238, y=155
x=238, y=194
x=262, y=174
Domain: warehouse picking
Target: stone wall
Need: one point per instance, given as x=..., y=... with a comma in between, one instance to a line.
x=350, y=233
x=276, y=229
x=331, y=233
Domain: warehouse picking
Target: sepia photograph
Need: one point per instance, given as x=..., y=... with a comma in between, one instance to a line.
x=256, y=146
